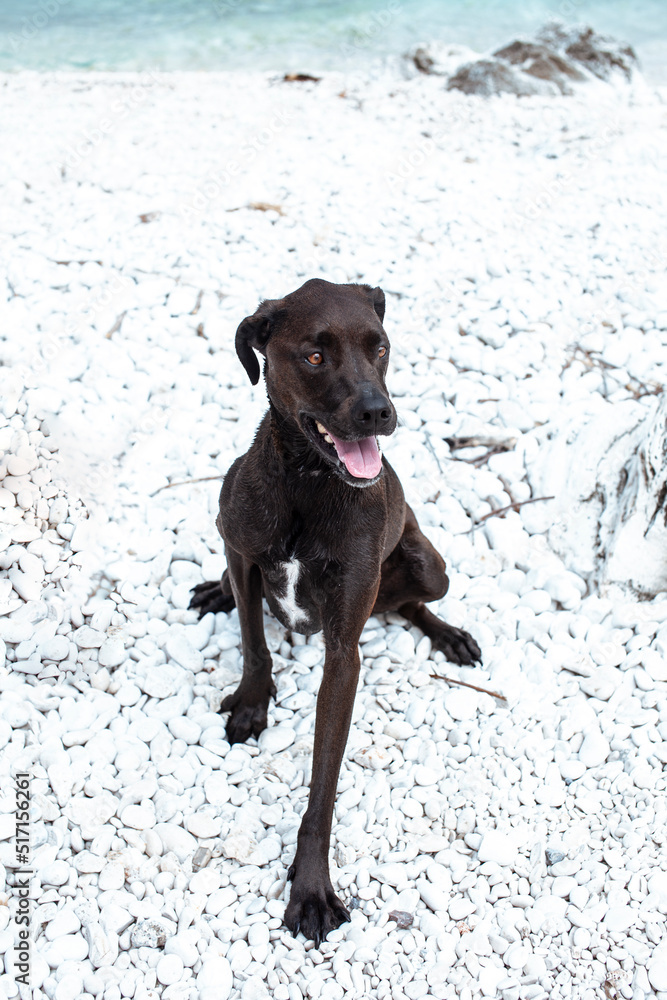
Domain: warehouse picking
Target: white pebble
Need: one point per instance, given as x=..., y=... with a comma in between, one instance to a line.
x=498, y=847
x=274, y=739
x=216, y=973
x=595, y=748
x=169, y=969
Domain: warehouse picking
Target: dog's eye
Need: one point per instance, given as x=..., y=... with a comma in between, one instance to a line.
x=381, y=352
x=315, y=358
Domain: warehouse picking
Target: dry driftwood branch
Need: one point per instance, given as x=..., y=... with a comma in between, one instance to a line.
x=501, y=511
x=452, y=680
x=185, y=482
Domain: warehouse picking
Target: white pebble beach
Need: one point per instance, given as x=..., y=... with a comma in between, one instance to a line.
x=506, y=840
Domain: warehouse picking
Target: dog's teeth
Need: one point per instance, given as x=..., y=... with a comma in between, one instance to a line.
x=327, y=438
x=321, y=428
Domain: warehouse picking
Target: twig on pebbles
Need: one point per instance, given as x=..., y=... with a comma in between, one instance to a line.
x=117, y=325
x=635, y=386
x=184, y=482
x=259, y=206
x=494, y=446
x=452, y=680
x=501, y=511
x=502, y=444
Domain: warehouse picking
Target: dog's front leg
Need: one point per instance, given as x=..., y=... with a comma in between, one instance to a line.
x=314, y=909
x=250, y=702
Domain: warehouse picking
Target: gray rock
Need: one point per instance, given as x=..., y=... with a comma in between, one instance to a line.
x=552, y=63
x=539, y=61
x=600, y=55
x=553, y=856
x=149, y=934
x=494, y=76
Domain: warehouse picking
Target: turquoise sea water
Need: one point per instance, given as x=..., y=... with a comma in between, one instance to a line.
x=293, y=34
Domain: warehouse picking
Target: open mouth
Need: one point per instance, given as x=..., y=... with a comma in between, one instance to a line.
x=361, y=458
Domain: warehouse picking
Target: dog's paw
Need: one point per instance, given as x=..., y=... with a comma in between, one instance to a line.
x=209, y=597
x=314, y=912
x=457, y=645
x=248, y=716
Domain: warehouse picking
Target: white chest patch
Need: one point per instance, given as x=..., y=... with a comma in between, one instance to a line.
x=293, y=612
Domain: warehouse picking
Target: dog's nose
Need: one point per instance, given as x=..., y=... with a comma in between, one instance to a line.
x=372, y=413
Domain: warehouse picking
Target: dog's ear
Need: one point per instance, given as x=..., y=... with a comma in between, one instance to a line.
x=378, y=302
x=377, y=298
x=254, y=332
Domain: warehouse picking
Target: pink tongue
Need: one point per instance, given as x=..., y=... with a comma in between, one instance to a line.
x=362, y=458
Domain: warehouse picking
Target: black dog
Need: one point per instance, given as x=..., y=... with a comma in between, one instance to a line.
x=314, y=520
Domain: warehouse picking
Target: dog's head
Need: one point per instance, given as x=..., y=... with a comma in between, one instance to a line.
x=326, y=360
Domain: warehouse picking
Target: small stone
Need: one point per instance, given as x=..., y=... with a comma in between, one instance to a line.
x=88, y=863
x=102, y=945
x=64, y=922
x=203, y=825
x=402, y=918
x=24, y=585
x=183, y=728
x=309, y=656
x=169, y=969
x=15, y=631
x=398, y=729
x=436, y=899
x=516, y=956
x=128, y=694
x=276, y=738
x=175, y=838
x=553, y=855
x=91, y=813
x=460, y=704
x=19, y=466
x=657, y=971
x=180, y=649
x=563, y=885
x=217, y=789
x=460, y=908
x=392, y=873
x=112, y=652
x=401, y=647
x=87, y=638
x=570, y=770
x=69, y=987
x=240, y=846
x=498, y=847
x=254, y=988
x=138, y=817
x=68, y=948
x=163, y=681
x=207, y=881
x=216, y=972
x=112, y=876
x=148, y=934
x=57, y=873
x=57, y=648
x=595, y=748
x=373, y=757
x=425, y=775
x=619, y=918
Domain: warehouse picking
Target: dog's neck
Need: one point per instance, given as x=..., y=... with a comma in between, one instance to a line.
x=293, y=447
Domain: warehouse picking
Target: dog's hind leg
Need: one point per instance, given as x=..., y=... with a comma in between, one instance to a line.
x=249, y=703
x=412, y=574
x=214, y=595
